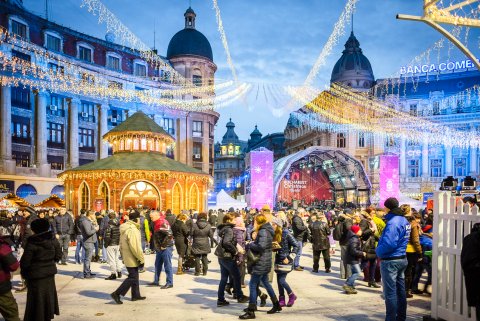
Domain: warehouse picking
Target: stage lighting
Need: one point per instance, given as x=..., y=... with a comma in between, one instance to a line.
x=449, y=184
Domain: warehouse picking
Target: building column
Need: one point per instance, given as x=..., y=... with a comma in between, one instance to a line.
x=473, y=161
x=41, y=98
x=102, y=149
x=6, y=163
x=403, y=157
x=205, y=147
x=425, y=172
x=448, y=161
x=181, y=143
x=189, y=141
x=73, y=156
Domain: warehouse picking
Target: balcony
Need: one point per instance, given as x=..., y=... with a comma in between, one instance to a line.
x=56, y=145
x=87, y=149
x=21, y=140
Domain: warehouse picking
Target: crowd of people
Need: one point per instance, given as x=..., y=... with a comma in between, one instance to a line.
x=391, y=246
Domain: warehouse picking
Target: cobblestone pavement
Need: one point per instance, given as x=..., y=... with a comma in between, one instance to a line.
x=320, y=297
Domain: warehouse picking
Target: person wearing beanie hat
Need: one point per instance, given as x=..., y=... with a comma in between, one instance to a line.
x=391, y=250
x=38, y=268
x=353, y=256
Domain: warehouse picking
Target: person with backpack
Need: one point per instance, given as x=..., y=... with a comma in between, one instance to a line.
x=320, y=232
x=340, y=233
x=300, y=232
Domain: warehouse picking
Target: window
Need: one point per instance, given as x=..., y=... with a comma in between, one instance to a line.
x=21, y=55
x=25, y=190
x=211, y=130
x=85, y=52
x=21, y=159
x=20, y=29
x=115, y=85
x=88, y=78
x=413, y=168
x=436, y=108
x=113, y=62
x=460, y=104
x=116, y=116
x=21, y=97
x=85, y=197
x=55, y=135
x=168, y=126
x=56, y=162
x=436, y=168
x=139, y=69
x=87, y=111
x=341, y=142
x=413, y=109
x=361, y=140
x=86, y=138
x=390, y=142
x=197, y=80
x=57, y=106
x=197, y=128
x=53, y=42
x=460, y=167
x=55, y=69
x=20, y=128
x=197, y=152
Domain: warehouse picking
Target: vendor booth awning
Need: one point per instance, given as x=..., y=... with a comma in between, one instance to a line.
x=225, y=201
x=12, y=200
x=45, y=201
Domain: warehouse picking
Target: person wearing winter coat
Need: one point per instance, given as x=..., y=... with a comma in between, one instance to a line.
x=227, y=251
x=180, y=236
x=414, y=248
x=470, y=261
x=346, y=220
x=38, y=268
x=88, y=228
x=132, y=255
x=369, y=240
x=261, y=247
x=163, y=243
x=170, y=217
x=239, y=231
x=320, y=232
x=202, y=235
x=300, y=231
x=112, y=245
x=426, y=264
x=8, y=265
x=288, y=249
x=63, y=227
x=353, y=257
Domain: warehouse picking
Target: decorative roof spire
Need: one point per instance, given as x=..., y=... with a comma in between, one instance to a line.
x=190, y=16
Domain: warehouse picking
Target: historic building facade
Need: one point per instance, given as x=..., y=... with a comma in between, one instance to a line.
x=47, y=132
x=274, y=142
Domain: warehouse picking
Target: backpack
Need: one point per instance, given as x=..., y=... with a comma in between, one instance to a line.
x=339, y=231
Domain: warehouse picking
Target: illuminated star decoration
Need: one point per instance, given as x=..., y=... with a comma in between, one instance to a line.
x=258, y=169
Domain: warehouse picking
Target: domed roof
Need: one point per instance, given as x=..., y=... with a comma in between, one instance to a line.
x=256, y=132
x=353, y=68
x=189, y=41
x=230, y=136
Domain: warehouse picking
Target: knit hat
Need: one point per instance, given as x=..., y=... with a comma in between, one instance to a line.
x=133, y=215
x=231, y=210
x=391, y=203
x=355, y=228
x=40, y=225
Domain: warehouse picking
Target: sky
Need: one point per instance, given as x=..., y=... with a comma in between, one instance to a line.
x=273, y=43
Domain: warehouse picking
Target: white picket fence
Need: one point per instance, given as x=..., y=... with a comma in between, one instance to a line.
x=452, y=222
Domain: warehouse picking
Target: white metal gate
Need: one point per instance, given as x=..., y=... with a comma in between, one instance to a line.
x=452, y=222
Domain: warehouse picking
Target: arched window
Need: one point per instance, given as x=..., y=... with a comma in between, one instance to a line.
x=105, y=194
x=59, y=190
x=84, y=196
x=25, y=190
x=194, y=202
x=176, y=199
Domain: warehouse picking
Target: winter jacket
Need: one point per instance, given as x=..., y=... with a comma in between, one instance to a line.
x=426, y=242
x=213, y=219
x=347, y=225
x=263, y=246
x=414, y=245
x=103, y=225
x=288, y=245
x=299, y=228
x=354, y=249
x=131, y=244
x=171, y=218
x=202, y=234
x=239, y=234
x=8, y=264
x=87, y=229
x=28, y=229
x=180, y=236
x=470, y=261
x=320, y=232
x=227, y=247
x=112, y=233
x=162, y=235
x=63, y=224
x=395, y=236
x=39, y=258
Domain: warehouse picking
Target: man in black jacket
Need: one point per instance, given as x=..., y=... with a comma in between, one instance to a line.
x=346, y=220
x=112, y=245
x=63, y=226
x=320, y=231
x=163, y=242
x=470, y=259
x=300, y=231
x=170, y=217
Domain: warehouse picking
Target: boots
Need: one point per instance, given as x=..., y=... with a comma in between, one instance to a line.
x=119, y=275
x=409, y=294
x=291, y=299
x=250, y=313
x=373, y=285
x=276, y=307
x=112, y=277
x=281, y=300
x=263, y=299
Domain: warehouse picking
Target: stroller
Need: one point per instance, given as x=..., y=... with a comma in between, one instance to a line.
x=189, y=259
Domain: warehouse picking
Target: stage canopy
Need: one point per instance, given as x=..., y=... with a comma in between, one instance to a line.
x=319, y=174
x=225, y=201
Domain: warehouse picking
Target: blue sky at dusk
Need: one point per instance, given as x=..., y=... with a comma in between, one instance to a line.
x=273, y=42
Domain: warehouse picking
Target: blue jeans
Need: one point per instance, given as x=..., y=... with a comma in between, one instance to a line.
x=355, y=274
x=229, y=268
x=87, y=258
x=79, y=255
x=282, y=284
x=393, y=278
x=163, y=258
x=296, y=261
x=255, y=282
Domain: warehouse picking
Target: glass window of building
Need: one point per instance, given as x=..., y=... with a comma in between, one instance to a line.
x=25, y=190
x=139, y=69
x=390, y=142
x=341, y=142
x=413, y=109
x=88, y=78
x=86, y=138
x=20, y=97
x=197, y=129
x=113, y=62
x=460, y=166
x=53, y=42
x=21, y=159
x=436, y=108
x=361, y=140
x=85, y=53
x=55, y=133
x=413, y=168
x=87, y=111
x=85, y=196
x=436, y=168
x=19, y=29
x=55, y=69
x=21, y=55
x=20, y=128
x=168, y=126
x=197, y=80
x=197, y=151
x=57, y=106
x=56, y=162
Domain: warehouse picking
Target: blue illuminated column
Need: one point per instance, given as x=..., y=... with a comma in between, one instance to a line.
x=448, y=161
x=425, y=159
x=473, y=161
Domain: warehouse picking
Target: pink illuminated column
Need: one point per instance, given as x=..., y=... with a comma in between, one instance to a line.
x=259, y=164
x=389, y=178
